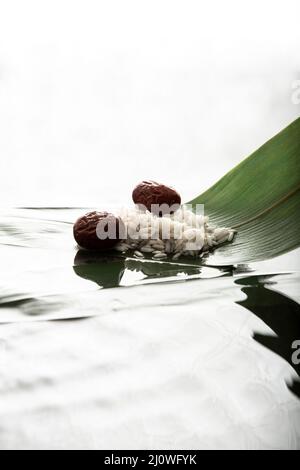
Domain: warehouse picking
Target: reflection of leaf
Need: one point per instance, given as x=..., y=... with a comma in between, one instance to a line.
x=153, y=269
x=31, y=306
x=278, y=311
x=261, y=198
x=106, y=271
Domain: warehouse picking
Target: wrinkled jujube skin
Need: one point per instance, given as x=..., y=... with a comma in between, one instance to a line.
x=150, y=193
x=85, y=231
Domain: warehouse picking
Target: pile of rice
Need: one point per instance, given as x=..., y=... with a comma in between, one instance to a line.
x=183, y=233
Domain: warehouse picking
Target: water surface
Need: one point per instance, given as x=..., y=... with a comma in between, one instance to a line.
x=111, y=352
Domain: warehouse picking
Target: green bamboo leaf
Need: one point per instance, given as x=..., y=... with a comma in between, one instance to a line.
x=261, y=199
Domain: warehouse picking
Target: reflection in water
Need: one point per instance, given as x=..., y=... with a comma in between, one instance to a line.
x=279, y=312
x=109, y=270
x=30, y=306
x=106, y=271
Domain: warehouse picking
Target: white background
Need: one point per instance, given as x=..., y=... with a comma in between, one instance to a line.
x=95, y=96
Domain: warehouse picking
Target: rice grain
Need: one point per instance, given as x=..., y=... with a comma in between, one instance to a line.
x=183, y=233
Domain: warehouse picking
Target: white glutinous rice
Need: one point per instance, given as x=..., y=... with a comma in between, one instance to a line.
x=183, y=233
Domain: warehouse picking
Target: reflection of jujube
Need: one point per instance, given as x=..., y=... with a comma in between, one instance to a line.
x=88, y=228
x=150, y=193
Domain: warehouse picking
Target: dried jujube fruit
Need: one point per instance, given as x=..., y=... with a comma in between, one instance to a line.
x=98, y=231
x=150, y=195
